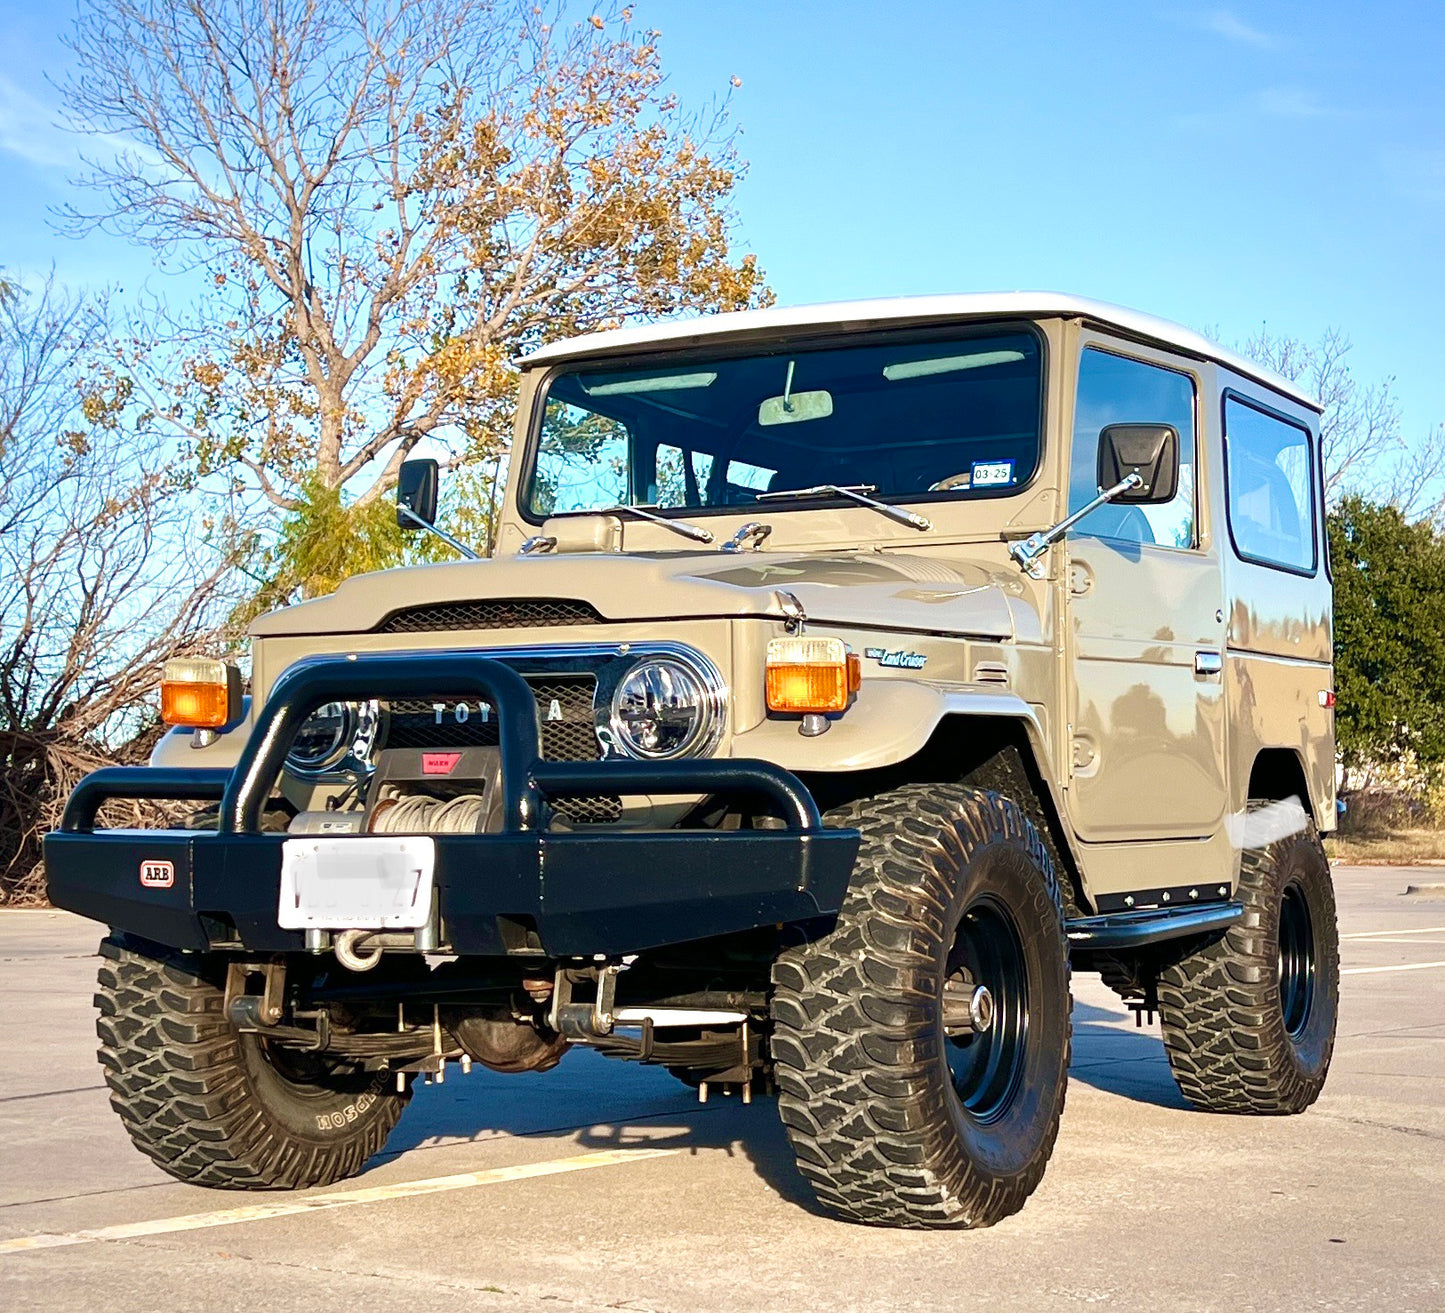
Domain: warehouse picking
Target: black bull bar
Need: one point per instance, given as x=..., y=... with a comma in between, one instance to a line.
x=613, y=891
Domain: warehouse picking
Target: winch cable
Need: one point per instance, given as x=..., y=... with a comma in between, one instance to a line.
x=419, y=814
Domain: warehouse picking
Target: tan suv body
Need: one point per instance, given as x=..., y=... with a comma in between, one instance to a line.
x=1153, y=680
x=1061, y=568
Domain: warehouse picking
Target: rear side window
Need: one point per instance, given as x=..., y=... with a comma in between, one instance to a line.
x=1268, y=467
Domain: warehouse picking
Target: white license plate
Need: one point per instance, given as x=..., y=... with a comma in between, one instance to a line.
x=371, y=882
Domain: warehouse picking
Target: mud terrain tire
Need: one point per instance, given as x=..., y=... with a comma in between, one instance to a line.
x=1249, y=1020
x=893, y=1121
x=208, y=1104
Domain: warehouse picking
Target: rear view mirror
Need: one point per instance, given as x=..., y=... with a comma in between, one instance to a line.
x=416, y=491
x=1149, y=450
x=793, y=408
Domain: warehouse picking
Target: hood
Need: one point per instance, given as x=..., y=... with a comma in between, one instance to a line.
x=894, y=590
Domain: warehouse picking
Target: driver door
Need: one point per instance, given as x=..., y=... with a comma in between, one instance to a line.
x=1145, y=625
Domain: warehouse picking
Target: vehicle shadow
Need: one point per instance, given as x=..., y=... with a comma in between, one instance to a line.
x=598, y=1103
x=1110, y=1054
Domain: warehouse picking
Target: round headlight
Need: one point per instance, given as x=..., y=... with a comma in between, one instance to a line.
x=323, y=739
x=663, y=708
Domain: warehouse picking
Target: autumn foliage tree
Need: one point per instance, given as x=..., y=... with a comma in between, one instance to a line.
x=387, y=200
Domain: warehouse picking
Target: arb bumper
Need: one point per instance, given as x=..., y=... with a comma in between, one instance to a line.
x=524, y=888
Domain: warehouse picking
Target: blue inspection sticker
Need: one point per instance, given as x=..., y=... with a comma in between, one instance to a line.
x=992, y=473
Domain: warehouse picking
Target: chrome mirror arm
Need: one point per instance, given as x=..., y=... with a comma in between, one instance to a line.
x=1028, y=552
x=440, y=533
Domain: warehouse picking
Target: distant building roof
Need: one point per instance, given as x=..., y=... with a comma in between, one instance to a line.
x=915, y=309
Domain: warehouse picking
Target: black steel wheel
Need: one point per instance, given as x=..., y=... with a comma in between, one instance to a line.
x=921, y=1049
x=986, y=1009
x=1298, y=964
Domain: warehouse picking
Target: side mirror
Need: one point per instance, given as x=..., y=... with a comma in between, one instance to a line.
x=1149, y=450
x=416, y=491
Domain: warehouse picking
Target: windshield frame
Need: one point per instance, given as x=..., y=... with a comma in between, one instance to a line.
x=821, y=340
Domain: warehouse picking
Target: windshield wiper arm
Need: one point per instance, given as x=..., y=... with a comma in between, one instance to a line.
x=694, y=531
x=854, y=492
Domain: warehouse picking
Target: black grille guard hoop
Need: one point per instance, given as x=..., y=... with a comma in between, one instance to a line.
x=526, y=780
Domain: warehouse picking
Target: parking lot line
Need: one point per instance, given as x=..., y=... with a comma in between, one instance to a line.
x=322, y=1202
x=1371, y=934
x=1375, y=971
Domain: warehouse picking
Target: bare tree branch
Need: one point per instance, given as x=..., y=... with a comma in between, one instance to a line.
x=104, y=573
x=392, y=198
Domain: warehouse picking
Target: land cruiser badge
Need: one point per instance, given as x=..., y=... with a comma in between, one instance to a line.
x=896, y=660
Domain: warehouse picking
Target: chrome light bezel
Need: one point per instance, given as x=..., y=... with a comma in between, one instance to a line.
x=712, y=701
x=336, y=752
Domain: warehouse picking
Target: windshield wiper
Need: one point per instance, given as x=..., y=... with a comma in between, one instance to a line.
x=855, y=492
x=694, y=531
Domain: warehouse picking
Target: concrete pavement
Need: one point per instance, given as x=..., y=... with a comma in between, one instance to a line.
x=604, y=1185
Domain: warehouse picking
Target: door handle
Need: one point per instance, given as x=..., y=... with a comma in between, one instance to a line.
x=1207, y=664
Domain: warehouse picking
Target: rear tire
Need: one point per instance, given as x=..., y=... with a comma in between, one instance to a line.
x=898, y=1114
x=1249, y=1020
x=216, y=1107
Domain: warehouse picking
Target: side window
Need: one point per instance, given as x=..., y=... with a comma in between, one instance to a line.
x=1117, y=390
x=1270, y=480
x=682, y=477
x=744, y=481
x=582, y=461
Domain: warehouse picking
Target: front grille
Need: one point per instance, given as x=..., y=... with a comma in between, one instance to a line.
x=492, y=613
x=564, y=718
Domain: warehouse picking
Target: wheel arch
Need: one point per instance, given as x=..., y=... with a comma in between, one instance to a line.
x=990, y=746
x=1278, y=774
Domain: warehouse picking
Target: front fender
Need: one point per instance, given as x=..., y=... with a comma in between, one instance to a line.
x=177, y=746
x=893, y=720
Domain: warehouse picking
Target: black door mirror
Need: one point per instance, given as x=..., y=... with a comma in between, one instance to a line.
x=1149, y=450
x=416, y=491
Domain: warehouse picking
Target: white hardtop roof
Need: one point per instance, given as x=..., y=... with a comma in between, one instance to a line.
x=913, y=309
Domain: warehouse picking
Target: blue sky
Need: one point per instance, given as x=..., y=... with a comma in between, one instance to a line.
x=1225, y=167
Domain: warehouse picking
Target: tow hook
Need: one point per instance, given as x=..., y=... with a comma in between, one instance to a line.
x=354, y=952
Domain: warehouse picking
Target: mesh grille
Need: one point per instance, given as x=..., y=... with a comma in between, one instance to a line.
x=494, y=613
x=564, y=711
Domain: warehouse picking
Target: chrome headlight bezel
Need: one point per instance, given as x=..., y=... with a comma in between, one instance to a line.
x=710, y=702
x=335, y=750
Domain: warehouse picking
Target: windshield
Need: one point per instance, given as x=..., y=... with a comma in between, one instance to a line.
x=908, y=418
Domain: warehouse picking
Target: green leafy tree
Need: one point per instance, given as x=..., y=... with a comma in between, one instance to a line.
x=1389, y=636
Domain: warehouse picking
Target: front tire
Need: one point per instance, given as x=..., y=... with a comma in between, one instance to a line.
x=899, y=1111
x=1249, y=1020
x=216, y=1107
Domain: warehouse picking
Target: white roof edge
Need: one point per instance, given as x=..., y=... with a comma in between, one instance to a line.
x=1048, y=305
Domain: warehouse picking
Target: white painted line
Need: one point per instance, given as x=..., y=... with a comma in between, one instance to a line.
x=322, y=1202
x=1412, y=942
x=1370, y=934
x=1375, y=971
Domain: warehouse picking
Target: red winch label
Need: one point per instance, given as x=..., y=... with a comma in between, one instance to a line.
x=439, y=763
x=157, y=875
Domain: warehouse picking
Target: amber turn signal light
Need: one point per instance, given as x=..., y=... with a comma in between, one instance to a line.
x=200, y=693
x=811, y=676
